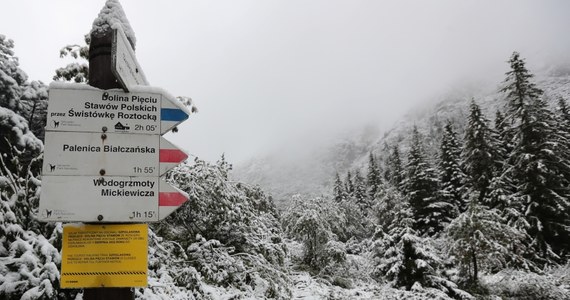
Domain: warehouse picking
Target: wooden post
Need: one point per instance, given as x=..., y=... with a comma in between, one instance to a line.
x=101, y=76
x=109, y=294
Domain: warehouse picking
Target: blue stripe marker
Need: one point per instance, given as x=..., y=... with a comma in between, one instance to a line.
x=172, y=114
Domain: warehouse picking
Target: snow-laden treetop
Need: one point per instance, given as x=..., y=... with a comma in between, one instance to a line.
x=111, y=16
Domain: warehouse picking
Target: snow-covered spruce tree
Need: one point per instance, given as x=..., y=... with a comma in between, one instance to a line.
x=354, y=224
x=356, y=210
x=504, y=136
x=229, y=230
x=451, y=176
x=406, y=259
x=28, y=260
x=421, y=188
x=480, y=152
x=394, y=173
x=387, y=206
x=349, y=184
x=20, y=166
x=11, y=76
x=564, y=114
x=540, y=162
x=339, y=191
x=481, y=240
x=28, y=99
x=359, y=195
x=314, y=222
x=34, y=101
x=373, y=178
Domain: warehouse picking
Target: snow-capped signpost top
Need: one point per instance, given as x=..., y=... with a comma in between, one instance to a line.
x=124, y=63
x=111, y=16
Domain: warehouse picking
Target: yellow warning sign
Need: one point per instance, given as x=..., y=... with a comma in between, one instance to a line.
x=104, y=256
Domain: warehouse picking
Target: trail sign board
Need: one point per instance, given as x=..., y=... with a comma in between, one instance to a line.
x=107, y=199
x=104, y=154
x=110, y=154
x=104, y=256
x=81, y=108
x=124, y=62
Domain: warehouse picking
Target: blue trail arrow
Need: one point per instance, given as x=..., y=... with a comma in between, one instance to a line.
x=172, y=114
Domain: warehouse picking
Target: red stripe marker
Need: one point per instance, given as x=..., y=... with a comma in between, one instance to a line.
x=169, y=199
x=169, y=156
x=172, y=156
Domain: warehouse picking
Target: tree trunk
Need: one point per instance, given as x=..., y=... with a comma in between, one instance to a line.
x=474, y=261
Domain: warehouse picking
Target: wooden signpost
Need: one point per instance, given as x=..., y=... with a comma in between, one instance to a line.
x=104, y=154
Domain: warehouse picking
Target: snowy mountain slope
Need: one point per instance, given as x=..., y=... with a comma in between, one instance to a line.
x=313, y=174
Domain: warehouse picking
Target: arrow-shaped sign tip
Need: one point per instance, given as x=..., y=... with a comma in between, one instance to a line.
x=169, y=199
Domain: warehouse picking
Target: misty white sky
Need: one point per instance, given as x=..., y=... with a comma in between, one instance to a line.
x=269, y=74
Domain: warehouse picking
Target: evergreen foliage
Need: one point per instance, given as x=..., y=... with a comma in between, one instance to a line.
x=349, y=184
x=394, y=170
x=77, y=71
x=451, y=176
x=229, y=223
x=360, y=196
x=339, y=191
x=389, y=202
x=480, y=153
x=315, y=222
x=540, y=162
x=29, y=257
x=12, y=78
x=408, y=260
x=421, y=188
x=28, y=99
x=481, y=240
x=373, y=178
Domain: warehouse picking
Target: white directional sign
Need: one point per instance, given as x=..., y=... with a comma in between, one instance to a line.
x=81, y=108
x=111, y=154
x=124, y=62
x=107, y=199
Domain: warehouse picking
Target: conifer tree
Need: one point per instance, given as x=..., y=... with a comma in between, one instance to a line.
x=540, y=162
x=421, y=187
x=373, y=179
x=480, y=153
x=28, y=99
x=338, y=189
x=12, y=78
x=349, y=185
x=394, y=170
x=360, y=192
x=451, y=175
x=405, y=258
x=564, y=111
x=504, y=135
x=563, y=118
x=482, y=241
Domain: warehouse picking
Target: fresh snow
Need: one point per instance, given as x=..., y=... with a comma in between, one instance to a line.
x=111, y=16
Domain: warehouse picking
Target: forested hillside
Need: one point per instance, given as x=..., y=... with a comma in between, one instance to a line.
x=468, y=206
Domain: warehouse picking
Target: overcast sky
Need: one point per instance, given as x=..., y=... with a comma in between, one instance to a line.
x=265, y=74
